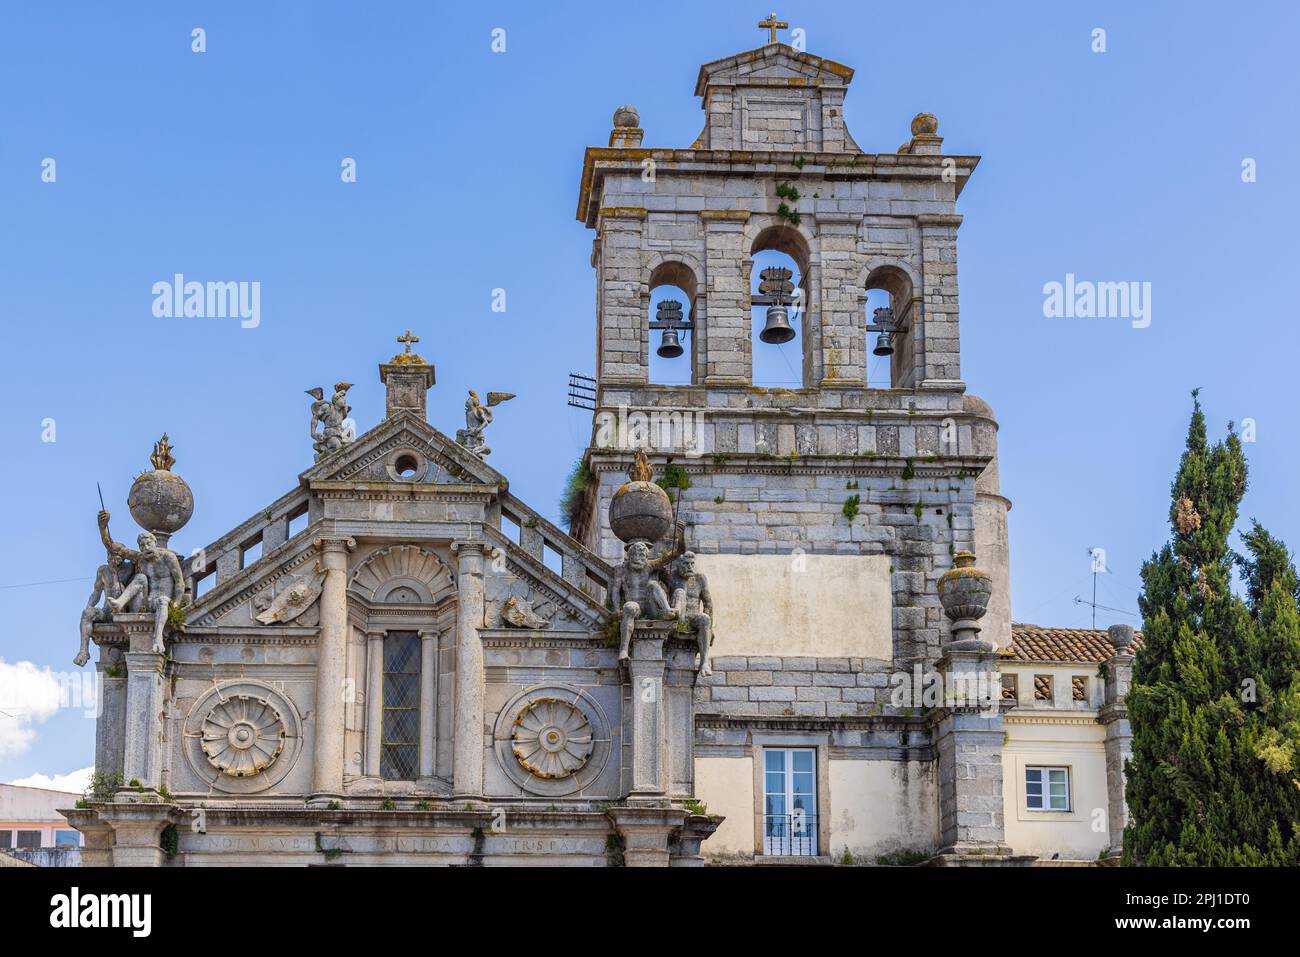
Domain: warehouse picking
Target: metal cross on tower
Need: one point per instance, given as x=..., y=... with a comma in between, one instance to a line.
x=772, y=24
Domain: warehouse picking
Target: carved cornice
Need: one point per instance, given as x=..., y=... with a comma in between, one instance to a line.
x=403, y=492
x=526, y=638
x=785, y=724
x=1039, y=717
x=240, y=638
x=868, y=466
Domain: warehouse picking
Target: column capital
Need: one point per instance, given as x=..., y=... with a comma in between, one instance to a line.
x=469, y=546
x=137, y=661
x=335, y=544
x=375, y=634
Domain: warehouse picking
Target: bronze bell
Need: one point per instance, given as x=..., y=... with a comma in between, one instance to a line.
x=777, y=329
x=884, y=345
x=669, y=347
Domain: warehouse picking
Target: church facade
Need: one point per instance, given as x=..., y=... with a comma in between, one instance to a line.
x=778, y=628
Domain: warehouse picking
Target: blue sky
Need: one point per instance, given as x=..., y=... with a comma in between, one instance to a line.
x=225, y=165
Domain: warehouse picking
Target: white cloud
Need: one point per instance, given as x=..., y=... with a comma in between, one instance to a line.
x=75, y=781
x=28, y=696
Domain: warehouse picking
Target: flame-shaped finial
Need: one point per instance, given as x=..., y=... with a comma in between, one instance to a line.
x=162, y=457
x=640, y=470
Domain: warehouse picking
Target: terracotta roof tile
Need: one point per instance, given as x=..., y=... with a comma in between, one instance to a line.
x=1032, y=643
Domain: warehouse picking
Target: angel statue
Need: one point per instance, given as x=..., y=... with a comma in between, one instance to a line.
x=331, y=415
x=477, y=418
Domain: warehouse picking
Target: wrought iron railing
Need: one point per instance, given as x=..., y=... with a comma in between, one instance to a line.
x=790, y=835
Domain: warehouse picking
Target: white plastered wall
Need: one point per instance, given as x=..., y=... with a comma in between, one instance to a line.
x=826, y=606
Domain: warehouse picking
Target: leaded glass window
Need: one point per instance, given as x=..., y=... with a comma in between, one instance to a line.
x=399, y=753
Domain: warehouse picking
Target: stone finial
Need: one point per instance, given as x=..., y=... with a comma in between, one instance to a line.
x=162, y=457
x=407, y=357
x=640, y=470
x=160, y=501
x=627, y=132
x=1121, y=636
x=925, y=140
x=964, y=591
x=408, y=378
x=925, y=124
x=640, y=510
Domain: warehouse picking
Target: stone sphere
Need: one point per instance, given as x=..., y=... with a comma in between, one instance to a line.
x=641, y=510
x=160, y=501
x=925, y=124
x=627, y=117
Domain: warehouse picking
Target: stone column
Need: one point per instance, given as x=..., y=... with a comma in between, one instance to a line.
x=623, y=328
x=374, y=701
x=145, y=703
x=467, y=724
x=1119, y=735
x=968, y=740
x=840, y=356
x=937, y=351
x=331, y=671
x=110, y=722
x=648, y=725
x=428, y=700
x=727, y=344
x=968, y=727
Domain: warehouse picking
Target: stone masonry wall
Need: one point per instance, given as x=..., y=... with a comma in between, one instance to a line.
x=803, y=687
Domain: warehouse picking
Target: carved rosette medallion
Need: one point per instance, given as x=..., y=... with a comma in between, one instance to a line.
x=552, y=738
x=243, y=735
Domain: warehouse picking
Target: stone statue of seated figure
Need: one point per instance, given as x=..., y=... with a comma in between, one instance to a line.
x=158, y=580
x=637, y=592
x=110, y=579
x=693, y=604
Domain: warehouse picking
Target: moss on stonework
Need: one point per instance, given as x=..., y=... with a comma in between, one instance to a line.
x=175, y=617
x=575, y=487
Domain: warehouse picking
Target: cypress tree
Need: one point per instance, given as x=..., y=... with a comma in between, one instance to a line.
x=1215, y=700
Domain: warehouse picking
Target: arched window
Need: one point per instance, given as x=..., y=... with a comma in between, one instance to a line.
x=891, y=343
x=672, y=349
x=778, y=285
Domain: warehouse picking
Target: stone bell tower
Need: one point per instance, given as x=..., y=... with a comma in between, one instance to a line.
x=907, y=471
x=833, y=520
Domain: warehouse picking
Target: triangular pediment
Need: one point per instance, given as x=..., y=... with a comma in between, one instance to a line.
x=776, y=63
x=388, y=452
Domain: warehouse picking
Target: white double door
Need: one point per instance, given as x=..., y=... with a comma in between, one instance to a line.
x=790, y=802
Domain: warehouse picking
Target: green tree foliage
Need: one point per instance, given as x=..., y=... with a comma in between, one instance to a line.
x=1215, y=702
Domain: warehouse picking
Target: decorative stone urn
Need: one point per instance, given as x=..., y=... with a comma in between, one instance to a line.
x=160, y=501
x=964, y=591
x=1121, y=637
x=640, y=509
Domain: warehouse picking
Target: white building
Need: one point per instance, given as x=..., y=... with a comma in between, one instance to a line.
x=32, y=828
